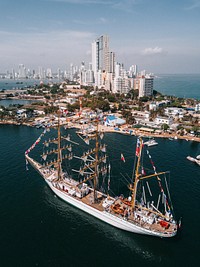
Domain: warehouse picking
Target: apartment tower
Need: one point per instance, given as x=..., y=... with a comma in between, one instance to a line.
x=100, y=59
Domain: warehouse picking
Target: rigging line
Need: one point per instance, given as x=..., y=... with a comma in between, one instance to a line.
x=126, y=147
x=149, y=189
x=168, y=192
x=112, y=193
x=144, y=196
x=122, y=182
x=158, y=201
x=124, y=177
x=134, y=168
x=115, y=148
x=128, y=177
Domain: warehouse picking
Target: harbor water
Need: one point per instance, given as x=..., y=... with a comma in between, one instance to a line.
x=39, y=229
x=180, y=85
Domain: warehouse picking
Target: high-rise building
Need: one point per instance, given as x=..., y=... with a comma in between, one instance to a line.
x=100, y=56
x=111, y=62
x=49, y=73
x=133, y=71
x=41, y=73
x=145, y=86
x=22, y=71
x=13, y=74
x=117, y=70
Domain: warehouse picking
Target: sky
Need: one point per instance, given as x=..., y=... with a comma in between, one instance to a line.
x=159, y=36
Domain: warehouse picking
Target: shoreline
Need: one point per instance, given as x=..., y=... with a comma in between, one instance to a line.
x=110, y=129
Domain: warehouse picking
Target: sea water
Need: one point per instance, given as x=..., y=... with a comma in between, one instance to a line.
x=180, y=85
x=39, y=229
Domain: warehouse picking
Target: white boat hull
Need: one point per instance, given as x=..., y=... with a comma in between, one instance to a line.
x=104, y=216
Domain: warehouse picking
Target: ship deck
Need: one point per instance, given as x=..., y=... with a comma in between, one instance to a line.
x=140, y=218
x=123, y=211
x=89, y=200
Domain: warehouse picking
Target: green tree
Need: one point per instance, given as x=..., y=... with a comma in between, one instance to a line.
x=165, y=126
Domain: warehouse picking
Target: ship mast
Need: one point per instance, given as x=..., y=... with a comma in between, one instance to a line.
x=96, y=161
x=92, y=165
x=59, y=149
x=133, y=187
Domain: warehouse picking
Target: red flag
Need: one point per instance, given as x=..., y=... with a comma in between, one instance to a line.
x=122, y=158
x=137, y=152
x=143, y=171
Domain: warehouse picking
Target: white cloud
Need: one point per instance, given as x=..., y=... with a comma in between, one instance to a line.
x=100, y=20
x=123, y=5
x=102, y=2
x=56, y=48
x=153, y=51
x=126, y=5
x=195, y=4
x=103, y=20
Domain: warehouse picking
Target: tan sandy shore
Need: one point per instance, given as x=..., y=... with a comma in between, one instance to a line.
x=108, y=129
x=137, y=132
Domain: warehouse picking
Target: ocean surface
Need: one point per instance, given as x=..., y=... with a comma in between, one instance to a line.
x=180, y=85
x=9, y=84
x=39, y=229
x=10, y=102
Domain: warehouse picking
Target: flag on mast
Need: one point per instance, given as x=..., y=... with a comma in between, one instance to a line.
x=122, y=157
x=137, y=152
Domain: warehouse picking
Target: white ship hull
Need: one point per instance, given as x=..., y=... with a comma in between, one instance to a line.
x=104, y=216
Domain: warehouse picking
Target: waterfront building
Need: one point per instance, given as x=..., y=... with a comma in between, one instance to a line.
x=49, y=73
x=109, y=82
x=163, y=120
x=59, y=74
x=82, y=68
x=197, y=107
x=141, y=115
x=90, y=75
x=100, y=50
x=132, y=71
x=71, y=72
x=118, y=85
x=153, y=106
x=22, y=71
x=29, y=74
x=13, y=74
x=111, y=63
x=175, y=112
x=145, y=85
x=112, y=120
x=117, y=70
x=102, y=60
x=121, y=82
x=87, y=76
x=41, y=73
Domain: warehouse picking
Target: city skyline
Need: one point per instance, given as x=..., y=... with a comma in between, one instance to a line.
x=160, y=37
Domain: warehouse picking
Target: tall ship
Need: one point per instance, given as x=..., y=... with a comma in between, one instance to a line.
x=147, y=209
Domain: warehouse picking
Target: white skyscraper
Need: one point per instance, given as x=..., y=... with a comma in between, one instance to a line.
x=49, y=73
x=111, y=62
x=133, y=71
x=22, y=71
x=100, y=56
x=145, y=86
x=41, y=73
x=117, y=70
